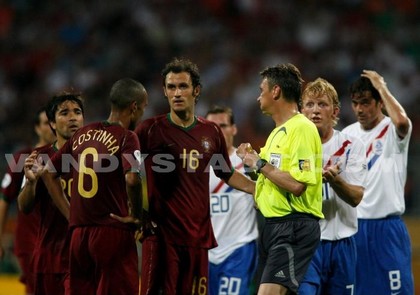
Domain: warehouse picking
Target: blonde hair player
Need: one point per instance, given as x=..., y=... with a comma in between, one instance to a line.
x=333, y=267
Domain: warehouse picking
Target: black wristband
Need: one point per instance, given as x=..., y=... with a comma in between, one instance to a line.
x=260, y=164
x=248, y=169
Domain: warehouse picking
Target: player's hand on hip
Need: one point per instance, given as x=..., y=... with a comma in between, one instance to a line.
x=125, y=219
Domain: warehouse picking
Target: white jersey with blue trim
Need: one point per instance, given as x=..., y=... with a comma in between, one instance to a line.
x=233, y=215
x=386, y=159
x=340, y=219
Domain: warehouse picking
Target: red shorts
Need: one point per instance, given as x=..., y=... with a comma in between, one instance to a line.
x=57, y=284
x=103, y=260
x=173, y=269
x=27, y=276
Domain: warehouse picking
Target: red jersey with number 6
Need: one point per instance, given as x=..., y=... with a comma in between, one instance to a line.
x=97, y=156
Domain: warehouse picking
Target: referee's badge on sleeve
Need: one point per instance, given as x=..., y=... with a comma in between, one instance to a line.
x=275, y=160
x=305, y=165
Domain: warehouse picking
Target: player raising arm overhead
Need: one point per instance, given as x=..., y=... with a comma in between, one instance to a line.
x=383, y=243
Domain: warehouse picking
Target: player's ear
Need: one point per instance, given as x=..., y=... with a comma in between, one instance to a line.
x=234, y=129
x=381, y=104
x=196, y=91
x=276, y=91
x=53, y=126
x=164, y=92
x=134, y=106
x=336, y=111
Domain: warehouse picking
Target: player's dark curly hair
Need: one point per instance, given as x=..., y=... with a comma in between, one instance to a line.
x=361, y=85
x=58, y=99
x=179, y=65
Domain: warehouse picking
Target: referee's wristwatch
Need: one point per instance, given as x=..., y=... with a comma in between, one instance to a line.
x=260, y=164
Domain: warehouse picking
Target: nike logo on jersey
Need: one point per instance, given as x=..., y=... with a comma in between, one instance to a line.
x=283, y=129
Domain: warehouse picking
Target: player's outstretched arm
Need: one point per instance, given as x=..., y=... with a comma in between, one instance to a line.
x=53, y=183
x=241, y=182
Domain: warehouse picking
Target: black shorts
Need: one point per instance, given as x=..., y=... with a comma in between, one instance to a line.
x=287, y=245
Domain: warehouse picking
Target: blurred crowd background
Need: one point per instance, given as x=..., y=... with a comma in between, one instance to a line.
x=47, y=46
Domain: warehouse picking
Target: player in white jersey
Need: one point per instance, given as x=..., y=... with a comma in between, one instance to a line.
x=233, y=216
x=383, y=243
x=333, y=267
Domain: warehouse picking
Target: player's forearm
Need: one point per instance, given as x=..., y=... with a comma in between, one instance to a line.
x=241, y=182
x=351, y=194
x=55, y=190
x=135, y=199
x=26, y=198
x=395, y=111
x=60, y=199
x=134, y=194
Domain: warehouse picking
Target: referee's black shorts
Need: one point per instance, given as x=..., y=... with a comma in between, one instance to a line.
x=287, y=245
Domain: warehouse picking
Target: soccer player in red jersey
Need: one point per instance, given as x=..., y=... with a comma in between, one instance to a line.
x=26, y=225
x=104, y=167
x=178, y=148
x=50, y=262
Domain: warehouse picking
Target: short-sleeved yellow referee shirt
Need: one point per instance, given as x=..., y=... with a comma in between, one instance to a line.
x=293, y=147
